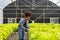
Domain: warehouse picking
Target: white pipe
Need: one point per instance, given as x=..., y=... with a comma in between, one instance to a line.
x=32, y=21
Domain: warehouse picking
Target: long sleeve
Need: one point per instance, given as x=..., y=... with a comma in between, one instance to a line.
x=21, y=22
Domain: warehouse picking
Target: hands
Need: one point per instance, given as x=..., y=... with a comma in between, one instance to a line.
x=26, y=28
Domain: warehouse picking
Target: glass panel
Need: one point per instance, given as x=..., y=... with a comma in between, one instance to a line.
x=54, y=20
x=13, y=20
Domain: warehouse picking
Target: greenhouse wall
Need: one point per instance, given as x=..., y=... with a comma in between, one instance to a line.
x=1, y=16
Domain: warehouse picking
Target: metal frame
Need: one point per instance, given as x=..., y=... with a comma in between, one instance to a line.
x=33, y=6
x=36, y=9
x=39, y=17
x=33, y=13
x=28, y=1
x=40, y=2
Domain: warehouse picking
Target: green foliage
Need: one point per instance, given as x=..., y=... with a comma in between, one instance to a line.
x=38, y=31
x=6, y=30
x=44, y=31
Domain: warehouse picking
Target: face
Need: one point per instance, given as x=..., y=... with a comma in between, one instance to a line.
x=28, y=18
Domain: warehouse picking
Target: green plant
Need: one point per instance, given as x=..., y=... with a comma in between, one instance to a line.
x=37, y=31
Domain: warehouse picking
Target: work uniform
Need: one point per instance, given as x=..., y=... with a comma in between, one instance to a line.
x=22, y=24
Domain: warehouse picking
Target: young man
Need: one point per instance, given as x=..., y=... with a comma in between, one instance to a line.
x=23, y=25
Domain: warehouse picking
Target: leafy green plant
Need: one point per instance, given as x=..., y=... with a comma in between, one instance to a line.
x=37, y=31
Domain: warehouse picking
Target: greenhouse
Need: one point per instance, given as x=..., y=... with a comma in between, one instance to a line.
x=47, y=11
x=44, y=22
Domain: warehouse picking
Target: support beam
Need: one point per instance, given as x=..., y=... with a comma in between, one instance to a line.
x=36, y=9
x=33, y=5
x=41, y=2
x=33, y=2
x=28, y=2
x=36, y=13
x=24, y=3
x=21, y=13
x=44, y=15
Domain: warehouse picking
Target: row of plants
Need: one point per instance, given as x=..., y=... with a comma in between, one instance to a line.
x=37, y=31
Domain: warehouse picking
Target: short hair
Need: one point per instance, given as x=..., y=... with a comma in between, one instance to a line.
x=27, y=13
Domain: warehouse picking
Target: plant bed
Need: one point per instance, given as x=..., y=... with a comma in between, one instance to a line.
x=37, y=31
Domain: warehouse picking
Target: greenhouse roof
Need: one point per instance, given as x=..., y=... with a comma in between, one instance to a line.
x=4, y=3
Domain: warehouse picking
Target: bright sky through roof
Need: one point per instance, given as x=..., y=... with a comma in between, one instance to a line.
x=4, y=3
x=57, y=2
